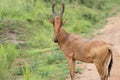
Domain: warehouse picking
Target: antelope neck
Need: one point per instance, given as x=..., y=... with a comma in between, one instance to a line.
x=62, y=37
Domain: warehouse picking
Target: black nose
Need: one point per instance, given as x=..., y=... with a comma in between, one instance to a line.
x=55, y=40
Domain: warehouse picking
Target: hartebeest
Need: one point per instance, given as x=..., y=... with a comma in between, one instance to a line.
x=77, y=48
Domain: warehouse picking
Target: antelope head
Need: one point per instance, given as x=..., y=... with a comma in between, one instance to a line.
x=57, y=21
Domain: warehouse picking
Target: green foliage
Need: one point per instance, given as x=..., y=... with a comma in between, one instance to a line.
x=54, y=58
x=26, y=73
x=8, y=54
x=45, y=66
x=99, y=4
x=32, y=18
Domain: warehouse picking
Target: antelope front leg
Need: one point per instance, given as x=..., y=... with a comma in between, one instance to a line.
x=71, y=63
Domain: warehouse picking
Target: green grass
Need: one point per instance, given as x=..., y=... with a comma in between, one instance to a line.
x=45, y=66
x=8, y=54
x=35, y=56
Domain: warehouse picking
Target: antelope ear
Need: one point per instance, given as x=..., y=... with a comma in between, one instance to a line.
x=51, y=21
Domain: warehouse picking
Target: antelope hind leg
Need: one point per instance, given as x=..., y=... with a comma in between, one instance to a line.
x=100, y=70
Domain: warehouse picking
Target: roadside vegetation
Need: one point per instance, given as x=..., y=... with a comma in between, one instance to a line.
x=27, y=50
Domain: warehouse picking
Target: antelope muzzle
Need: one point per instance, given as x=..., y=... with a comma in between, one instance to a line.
x=55, y=40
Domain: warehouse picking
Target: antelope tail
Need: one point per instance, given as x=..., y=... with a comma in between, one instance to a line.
x=111, y=62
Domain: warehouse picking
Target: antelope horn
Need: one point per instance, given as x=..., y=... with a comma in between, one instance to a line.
x=63, y=8
x=53, y=11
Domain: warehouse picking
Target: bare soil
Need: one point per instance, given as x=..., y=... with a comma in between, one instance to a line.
x=110, y=34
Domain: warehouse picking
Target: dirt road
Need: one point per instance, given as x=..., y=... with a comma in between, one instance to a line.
x=110, y=34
